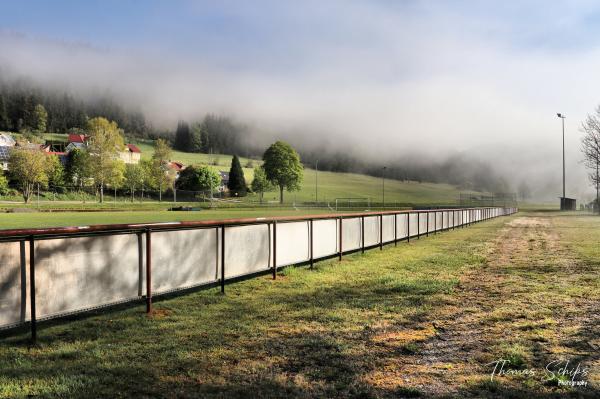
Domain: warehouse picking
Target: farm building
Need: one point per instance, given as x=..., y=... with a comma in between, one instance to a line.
x=4, y=154
x=6, y=143
x=132, y=154
x=6, y=140
x=224, y=181
x=77, y=138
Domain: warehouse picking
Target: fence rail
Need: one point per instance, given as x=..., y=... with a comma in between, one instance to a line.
x=73, y=269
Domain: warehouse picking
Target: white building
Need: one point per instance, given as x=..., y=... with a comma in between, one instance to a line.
x=6, y=140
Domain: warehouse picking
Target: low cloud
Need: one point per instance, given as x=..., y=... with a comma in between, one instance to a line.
x=377, y=80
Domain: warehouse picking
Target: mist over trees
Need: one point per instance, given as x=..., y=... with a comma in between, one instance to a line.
x=27, y=107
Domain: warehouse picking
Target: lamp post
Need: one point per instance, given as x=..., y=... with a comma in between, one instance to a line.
x=562, y=117
x=383, y=185
x=316, y=182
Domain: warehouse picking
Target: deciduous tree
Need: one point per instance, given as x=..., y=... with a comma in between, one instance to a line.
x=590, y=146
x=3, y=184
x=78, y=168
x=160, y=166
x=105, y=144
x=260, y=183
x=56, y=173
x=28, y=168
x=198, y=178
x=134, y=178
x=282, y=167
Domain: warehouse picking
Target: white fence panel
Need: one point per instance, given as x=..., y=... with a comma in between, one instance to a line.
x=10, y=284
x=351, y=234
x=402, y=225
x=248, y=249
x=184, y=258
x=325, y=237
x=78, y=273
x=414, y=224
x=371, y=230
x=293, y=244
x=388, y=228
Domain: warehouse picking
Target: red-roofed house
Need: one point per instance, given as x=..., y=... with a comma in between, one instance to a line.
x=77, y=138
x=132, y=154
x=176, y=167
x=62, y=156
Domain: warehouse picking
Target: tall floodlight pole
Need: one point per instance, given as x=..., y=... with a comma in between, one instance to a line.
x=316, y=182
x=562, y=117
x=383, y=186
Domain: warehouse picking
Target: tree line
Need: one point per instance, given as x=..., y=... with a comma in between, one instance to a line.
x=22, y=102
x=25, y=107
x=98, y=165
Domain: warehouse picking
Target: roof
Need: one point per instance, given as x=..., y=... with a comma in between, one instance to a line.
x=176, y=165
x=32, y=146
x=77, y=138
x=224, y=176
x=134, y=148
x=4, y=152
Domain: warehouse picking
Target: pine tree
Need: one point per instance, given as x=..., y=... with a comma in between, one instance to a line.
x=196, y=138
x=237, y=182
x=4, y=123
x=183, y=137
x=204, y=137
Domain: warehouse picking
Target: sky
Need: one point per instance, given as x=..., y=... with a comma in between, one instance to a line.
x=386, y=78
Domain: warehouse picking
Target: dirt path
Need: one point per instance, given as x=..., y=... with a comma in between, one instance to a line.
x=524, y=307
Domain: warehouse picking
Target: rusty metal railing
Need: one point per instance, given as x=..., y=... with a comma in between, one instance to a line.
x=451, y=219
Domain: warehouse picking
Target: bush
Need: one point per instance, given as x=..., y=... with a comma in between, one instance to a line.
x=3, y=184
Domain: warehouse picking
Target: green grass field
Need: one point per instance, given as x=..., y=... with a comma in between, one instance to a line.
x=330, y=186
x=58, y=219
x=424, y=319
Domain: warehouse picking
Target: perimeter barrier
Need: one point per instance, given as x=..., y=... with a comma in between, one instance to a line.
x=52, y=272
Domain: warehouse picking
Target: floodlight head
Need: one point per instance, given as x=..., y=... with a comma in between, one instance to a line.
x=560, y=115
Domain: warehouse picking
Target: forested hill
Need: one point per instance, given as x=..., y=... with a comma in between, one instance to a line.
x=21, y=100
x=18, y=99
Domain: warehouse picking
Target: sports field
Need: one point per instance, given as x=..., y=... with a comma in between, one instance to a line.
x=428, y=318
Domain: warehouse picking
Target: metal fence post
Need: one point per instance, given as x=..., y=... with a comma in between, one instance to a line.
x=312, y=255
x=362, y=235
x=341, y=250
x=140, y=264
x=217, y=252
x=274, y=250
x=32, y=289
x=381, y=231
x=427, y=231
x=395, y=229
x=23, y=274
x=148, y=271
x=418, y=225
x=223, y=259
x=408, y=227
